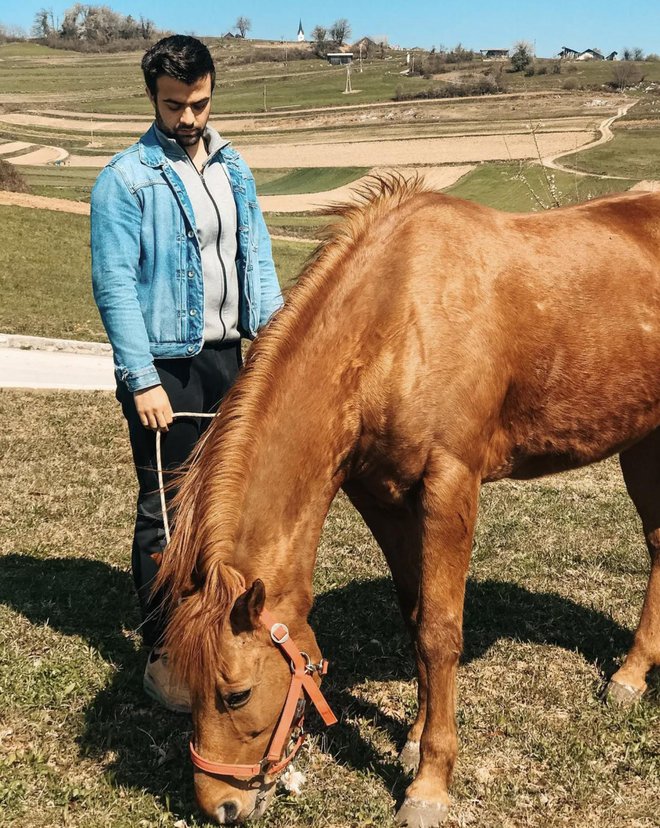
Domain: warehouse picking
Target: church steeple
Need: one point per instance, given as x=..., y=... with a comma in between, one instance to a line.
x=301, y=32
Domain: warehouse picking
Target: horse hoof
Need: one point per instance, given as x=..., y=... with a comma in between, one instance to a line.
x=414, y=813
x=625, y=695
x=409, y=756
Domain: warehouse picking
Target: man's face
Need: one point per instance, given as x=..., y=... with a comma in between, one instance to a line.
x=182, y=109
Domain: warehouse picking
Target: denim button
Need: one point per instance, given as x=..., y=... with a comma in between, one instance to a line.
x=191, y=273
x=190, y=349
x=191, y=233
x=193, y=312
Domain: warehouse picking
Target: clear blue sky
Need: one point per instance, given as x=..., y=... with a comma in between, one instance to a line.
x=580, y=24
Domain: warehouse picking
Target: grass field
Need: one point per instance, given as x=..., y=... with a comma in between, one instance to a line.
x=45, y=274
x=555, y=590
x=634, y=153
x=529, y=187
x=76, y=183
x=311, y=180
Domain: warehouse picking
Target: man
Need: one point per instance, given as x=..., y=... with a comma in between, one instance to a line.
x=181, y=269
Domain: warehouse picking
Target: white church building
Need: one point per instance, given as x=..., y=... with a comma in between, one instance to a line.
x=301, y=33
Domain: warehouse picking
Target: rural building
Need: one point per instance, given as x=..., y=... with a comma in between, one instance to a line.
x=340, y=58
x=494, y=54
x=588, y=54
x=591, y=54
x=301, y=33
x=366, y=44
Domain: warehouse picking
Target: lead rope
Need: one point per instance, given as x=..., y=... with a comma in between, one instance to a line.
x=159, y=467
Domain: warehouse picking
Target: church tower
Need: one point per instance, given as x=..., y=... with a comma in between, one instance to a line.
x=301, y=33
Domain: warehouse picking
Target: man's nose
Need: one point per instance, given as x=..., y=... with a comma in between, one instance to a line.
x=188, y=116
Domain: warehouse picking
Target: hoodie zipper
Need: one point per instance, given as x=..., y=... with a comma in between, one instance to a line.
x=217, y=247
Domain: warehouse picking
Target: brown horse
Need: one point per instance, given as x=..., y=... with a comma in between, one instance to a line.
x=432, y=345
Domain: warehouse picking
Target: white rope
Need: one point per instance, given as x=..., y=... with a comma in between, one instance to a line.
x=159, y=467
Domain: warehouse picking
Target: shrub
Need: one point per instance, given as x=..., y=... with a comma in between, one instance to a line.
x=570, y=84
x=521, y=57
x=479, y=86
x=11, y=179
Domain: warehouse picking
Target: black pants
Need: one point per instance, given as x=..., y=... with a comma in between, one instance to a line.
x=195, y=384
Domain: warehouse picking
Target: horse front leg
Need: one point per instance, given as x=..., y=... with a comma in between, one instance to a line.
x=397, y=531
x=449, y=508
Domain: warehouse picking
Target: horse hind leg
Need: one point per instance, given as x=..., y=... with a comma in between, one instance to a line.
x=641, y=471
x=397, y=531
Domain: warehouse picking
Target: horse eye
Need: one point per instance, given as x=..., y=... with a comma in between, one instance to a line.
x=235, y=700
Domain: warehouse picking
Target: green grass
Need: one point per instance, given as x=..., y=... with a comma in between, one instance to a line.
x=310, y=180
x=45, y=274
x=556, y=586
x=634, y=153
x=524, y=187
x=73, y=183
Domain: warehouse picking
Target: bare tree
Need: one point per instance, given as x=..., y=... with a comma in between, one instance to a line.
x=243, y=24
x=625, y=73
x=44, y=23
x=340, y=30
x=638, y=54
x=319, y=34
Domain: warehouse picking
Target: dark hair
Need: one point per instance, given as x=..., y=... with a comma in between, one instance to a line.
x=181, y=57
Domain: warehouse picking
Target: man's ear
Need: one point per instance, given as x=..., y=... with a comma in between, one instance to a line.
x=151, y=97
x=247, y=609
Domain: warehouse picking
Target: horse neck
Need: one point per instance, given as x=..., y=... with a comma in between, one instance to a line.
x=297, y=459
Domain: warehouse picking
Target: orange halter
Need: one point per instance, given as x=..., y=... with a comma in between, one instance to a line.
x=292, y=715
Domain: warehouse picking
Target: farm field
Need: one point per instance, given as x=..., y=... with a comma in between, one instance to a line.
x=555, y=589
x=529, y=187
x=633, y=153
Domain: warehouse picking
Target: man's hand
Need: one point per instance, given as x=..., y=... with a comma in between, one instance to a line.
x=153, y=408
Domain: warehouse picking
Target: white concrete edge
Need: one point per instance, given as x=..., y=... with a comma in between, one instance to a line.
x=44, y=386
x=41, y=343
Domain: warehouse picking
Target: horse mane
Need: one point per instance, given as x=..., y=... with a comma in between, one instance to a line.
x=197, y=578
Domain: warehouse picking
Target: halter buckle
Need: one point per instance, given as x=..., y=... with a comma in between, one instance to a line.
x=275, y=629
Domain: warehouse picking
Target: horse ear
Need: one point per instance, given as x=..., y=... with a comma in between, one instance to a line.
x=247, y=608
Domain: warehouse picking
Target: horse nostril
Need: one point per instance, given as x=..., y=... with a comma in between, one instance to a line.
x=227, y=812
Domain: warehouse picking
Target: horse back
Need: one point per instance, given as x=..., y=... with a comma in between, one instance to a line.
x=532, y=341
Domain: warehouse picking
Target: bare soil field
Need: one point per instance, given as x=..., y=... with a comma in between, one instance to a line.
x=453, y=150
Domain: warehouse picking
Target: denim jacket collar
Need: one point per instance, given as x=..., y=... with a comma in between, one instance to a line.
x=152, y=154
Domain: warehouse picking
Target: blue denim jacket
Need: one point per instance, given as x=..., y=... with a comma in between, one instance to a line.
x=146, y=261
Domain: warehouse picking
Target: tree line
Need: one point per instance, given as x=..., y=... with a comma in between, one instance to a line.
x=88, y=27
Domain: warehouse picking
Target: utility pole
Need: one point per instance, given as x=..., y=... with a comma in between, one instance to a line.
x=349, y=88
x=360, y=57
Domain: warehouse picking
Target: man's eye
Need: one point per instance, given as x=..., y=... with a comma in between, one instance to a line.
x=235, y=700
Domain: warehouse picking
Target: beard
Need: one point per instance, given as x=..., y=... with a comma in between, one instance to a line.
x=184, y=138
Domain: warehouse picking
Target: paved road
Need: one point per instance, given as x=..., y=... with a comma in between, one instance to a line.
x=55, y=369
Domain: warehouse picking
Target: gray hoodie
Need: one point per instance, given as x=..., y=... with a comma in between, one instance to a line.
x=210, y=194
